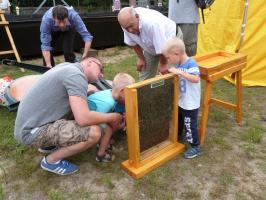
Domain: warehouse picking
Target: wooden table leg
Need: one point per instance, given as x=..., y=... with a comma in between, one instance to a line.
x=205, y=111
x=239, y=96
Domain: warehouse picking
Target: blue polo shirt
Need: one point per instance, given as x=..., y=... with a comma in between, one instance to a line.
x=48, y=26
x=101, y=101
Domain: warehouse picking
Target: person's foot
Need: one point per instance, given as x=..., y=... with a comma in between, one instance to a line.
x=192, y=152
x=108, y=157
x=49, y=149
x=61, y=167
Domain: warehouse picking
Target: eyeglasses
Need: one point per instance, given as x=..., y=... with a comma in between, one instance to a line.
x=99, y=65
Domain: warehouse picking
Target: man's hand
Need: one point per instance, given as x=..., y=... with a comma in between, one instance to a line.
x=117, y=122
x=141, y=64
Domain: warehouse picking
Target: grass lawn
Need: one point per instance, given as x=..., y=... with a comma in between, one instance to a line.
x=232, y=166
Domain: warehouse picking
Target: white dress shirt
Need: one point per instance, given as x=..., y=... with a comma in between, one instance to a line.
x=4, y=4
x=155, y=29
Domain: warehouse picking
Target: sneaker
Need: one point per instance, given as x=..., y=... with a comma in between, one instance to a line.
x=108, y=157
x=49, y=149
x=62, y=167
x=192, y=152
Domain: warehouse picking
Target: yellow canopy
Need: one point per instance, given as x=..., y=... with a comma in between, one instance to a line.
x=222, y=31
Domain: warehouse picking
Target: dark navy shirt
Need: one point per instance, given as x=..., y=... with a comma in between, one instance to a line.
x=48, y=26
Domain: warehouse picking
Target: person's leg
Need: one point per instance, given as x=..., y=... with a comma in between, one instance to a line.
x=190, y=37
x=179, y=32
x=104, y=153
x=68, y=42
x=105, y=141
x=180, y=125
x=191, y=127
x=69, y=136
x=190, y=122
x=151, y=66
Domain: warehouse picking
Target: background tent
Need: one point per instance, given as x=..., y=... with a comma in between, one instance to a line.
x=222, y=30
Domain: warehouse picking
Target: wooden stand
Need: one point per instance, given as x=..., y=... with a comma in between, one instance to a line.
x=140, y=163
x=5, y=23
x=214, y=66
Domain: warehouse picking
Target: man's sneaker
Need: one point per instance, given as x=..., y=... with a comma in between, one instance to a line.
x=108, y=157
x=49, y=149
x=192, y=152
x=62, y=167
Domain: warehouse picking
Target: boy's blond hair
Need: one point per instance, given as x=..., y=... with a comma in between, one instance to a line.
x=121, y=80
x=172, y=45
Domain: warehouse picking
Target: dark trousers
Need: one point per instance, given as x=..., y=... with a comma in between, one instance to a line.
x=67, y=38
x=188, y=121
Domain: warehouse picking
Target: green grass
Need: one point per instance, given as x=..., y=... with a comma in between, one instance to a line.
x=55, y=195
x=230, y=155
x=106, y=179
x=253, y=135
x=226, y=178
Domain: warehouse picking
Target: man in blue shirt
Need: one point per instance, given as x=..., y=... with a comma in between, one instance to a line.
x=60, y=21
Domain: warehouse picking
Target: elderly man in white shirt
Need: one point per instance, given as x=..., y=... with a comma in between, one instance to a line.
x=146, y=30
x=5, y=5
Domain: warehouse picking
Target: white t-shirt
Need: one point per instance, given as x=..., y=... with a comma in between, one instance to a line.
x=189, y=96
x=4, y=4
x=155, y=29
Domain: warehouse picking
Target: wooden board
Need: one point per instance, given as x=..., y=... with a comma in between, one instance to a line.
x=151, y=114
x=218, y=61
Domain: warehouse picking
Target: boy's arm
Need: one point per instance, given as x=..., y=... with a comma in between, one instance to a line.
x=190, y=77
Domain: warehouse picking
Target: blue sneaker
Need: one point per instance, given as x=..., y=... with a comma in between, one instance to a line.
x=49, y=149
x=192, y=152
x=62, y=167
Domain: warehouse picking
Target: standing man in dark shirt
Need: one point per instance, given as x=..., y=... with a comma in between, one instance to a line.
x=61, y=21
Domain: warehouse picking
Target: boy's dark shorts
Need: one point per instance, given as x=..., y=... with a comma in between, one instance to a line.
x=61, y=133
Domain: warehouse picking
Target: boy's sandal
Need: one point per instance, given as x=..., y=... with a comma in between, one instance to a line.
x=108, y=157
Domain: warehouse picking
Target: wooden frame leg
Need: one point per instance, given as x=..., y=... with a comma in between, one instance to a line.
x=239, y=110
x=205, y=111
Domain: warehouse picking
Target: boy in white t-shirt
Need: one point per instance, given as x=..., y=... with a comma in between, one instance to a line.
x=189, y=97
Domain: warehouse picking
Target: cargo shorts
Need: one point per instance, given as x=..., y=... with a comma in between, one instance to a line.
x=61, y=133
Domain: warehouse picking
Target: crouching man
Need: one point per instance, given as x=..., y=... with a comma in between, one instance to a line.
x=42, y=114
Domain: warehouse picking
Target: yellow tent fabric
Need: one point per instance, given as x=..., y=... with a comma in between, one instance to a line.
x=222, y=30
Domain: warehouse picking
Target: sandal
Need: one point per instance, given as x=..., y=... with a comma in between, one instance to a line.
x=108, y=157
